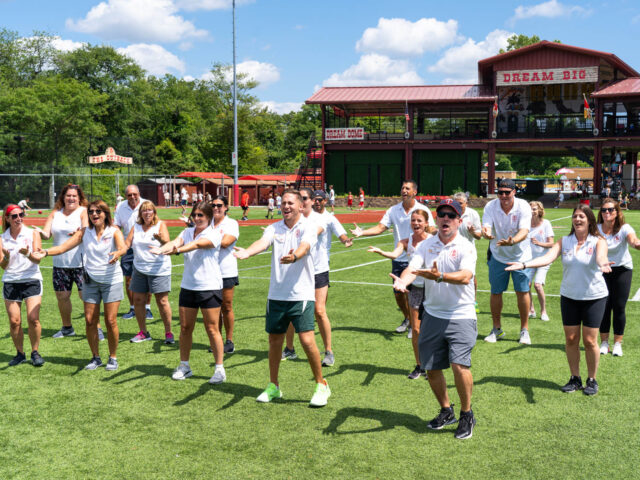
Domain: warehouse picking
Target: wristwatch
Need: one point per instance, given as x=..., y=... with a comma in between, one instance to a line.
x=440, y=278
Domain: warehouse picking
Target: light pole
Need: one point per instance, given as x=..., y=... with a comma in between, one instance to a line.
x=234, y=155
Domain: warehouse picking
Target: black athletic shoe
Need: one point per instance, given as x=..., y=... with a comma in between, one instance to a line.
x=18, y=359
x=36, y=359
x=574, y=384
x=229, y=347
x=465, y=425
x=416, y=373
x=591, y=388
x=444, y=418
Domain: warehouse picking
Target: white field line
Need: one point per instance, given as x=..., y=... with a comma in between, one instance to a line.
x=636, y=297
x=561, y=218
x=357, y=266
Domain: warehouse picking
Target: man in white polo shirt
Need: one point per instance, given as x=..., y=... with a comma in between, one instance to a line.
x=449, y=325
x=125, y=218
x=291, y=292
x=399, y=217
x=506, y=222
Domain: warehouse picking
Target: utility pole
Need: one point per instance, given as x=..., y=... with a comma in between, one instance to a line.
x=234, y=155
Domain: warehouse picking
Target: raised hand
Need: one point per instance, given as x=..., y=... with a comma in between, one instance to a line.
x=288, y=258
x=240, y=253
x=348, y=242
x=486, y=233
x=505, y=242
x=357, y=231
x=398, y=284
x=374, y=250
x=24, y=251
x=38, y=254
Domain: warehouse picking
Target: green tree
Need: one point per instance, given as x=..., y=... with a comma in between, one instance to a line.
x=516, y=41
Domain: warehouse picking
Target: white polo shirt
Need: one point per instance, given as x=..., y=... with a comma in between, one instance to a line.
x=126, y=216
x=505, y=225
x=618, y=246
x=228, y=263
x=400, y=219
x=201, y=269
x=323, y=248
x=96, y=256
x=540, y=233
x=295, y=281
x=446, y=300
x=20, y=268
x=143, y=260
x=470, y=218
x=61, y=227
x=581, y=276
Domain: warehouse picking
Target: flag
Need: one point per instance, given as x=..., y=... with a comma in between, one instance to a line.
x=587, y=109
x=406, y=111
x=495, y=108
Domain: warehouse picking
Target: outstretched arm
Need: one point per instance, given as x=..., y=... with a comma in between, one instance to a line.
x=256, y=247
x=369, y=232
x=541, y=261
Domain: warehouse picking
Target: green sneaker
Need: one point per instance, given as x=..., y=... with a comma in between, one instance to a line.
x=272, y=391
x=321, y=395
x=477, y=308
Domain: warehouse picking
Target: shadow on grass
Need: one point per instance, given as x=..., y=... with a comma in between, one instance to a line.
x=527, y=385
x=142, y=370
x=388, y=420
x=544, y=346
x=386, y=334
x=78, y=363
x=370, y=370
x=256, y=357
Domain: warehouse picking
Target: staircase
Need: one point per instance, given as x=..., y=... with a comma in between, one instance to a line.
x=310, y=172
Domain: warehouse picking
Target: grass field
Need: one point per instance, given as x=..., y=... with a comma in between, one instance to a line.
x=60, y=421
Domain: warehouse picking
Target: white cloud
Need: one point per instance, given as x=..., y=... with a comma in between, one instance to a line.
x=136, y=21
x=460, y=63
x=192, y=5
x=153, y=58
x=374, y=69
x=66, y=45
x=188, y=78
x=397, y=36
x=550, y=9
x=262, y=72
x=282, y=107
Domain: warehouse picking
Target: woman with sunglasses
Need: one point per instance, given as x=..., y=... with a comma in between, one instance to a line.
x=420, y=227
x=22, y=282
x=102, y=244
x=69, y=214
x=229, y=231
x=151, y=273
x=619, y=235
x=201, y=288
x=583, y=292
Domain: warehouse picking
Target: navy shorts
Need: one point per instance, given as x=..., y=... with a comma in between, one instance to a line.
x=322, y=279
x=200, y=298
x=126, y=263
x=397, y=268
x=17, y=292
x=230, y=282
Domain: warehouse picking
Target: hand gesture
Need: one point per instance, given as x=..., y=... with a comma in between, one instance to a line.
x=398, y=284
x=24, y=251
x=38, y=254
x=240, y=253
x=6, y=253
x=156, y=250
x=535, y=241
x=606, y=268
x=513, y=266
x=71, y=234
x=430, y=274
x=114, y=257
x=288, y=258
x=374, y=250
x=505, y=242
x=156, y=236
x=486, y=233
x=348, y=242
x=356, y=231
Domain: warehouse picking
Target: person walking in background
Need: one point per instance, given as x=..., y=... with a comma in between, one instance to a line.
x=361, y=200
x=332, y=198
x=583, y=293
x=244, y=204
x=279, y=204
x=22, y=282
x=619, y=235
x=350, y=201
x=176, y=198
x=184, y=200
x=270, y=206
x=541, y=238
x=167, y=198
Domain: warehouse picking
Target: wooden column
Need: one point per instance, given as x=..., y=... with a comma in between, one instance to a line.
x=408, y=161
x=491, y=168
x=597, y=168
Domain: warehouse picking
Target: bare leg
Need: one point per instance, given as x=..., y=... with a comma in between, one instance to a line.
x=464, y=385
x=290, y=334
x=127, y=281
x=572, y=347
x=275, y=355
x=64, y=306
x=541, y=297
x=228, y=317
x=402, y=300
x=496, y=309
x=591, y=350
x=91, y=317
x=211, y=319
x=308, y=341
x=111, y=320
x=438, y=386
x=141, y=313
x=15, y=324
x=415, y=333
x=187, y=323
x=523, y=308
x=33, y=318
x=321, y=317
x=164, y=307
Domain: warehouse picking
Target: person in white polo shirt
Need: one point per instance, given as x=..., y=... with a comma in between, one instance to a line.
x=399, y=217
x=447, y=261
x=471, y=229
x=506, y=222
x=291, y=295
x=125, y=218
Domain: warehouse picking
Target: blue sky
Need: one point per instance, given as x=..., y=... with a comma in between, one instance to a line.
x=294, y=47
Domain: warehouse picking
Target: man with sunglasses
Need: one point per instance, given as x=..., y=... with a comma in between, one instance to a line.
x=449, y=325
x=399, y=217
x=125, y=218
x=506, y=222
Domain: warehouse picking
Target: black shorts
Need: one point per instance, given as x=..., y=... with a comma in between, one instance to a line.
x=200, y=298
x=322, y=279
x=589, y=313
x=126, y=263
x=245, y=208
x=397, y=268
x=17, y=292
x=230, y=282
x=64, y=278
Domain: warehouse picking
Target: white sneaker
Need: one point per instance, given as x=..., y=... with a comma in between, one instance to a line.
x=604, y=347
x=524, y=337
x=617, y=349
x=403, y=326
x=532, y=314
x=410, y=334
x=182, y=372
x=321, y=395
x=495, y=334
x=219, y=376
x=544, y=317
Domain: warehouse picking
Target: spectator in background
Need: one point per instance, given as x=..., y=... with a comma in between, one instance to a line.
x=279, y=204
x=559, y=199
x=332, y=198
x=361, y=200
x=167, y=198
x=244, y=203
x=176, y=198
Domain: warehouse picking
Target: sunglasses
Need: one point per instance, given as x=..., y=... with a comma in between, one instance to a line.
x=318, y=199
x=16, y=215
x=304, y=199
x=449, y=215
x=217, y=205
x=198, y=215
x=504, y=192
x=95, y=212
x=608, y=210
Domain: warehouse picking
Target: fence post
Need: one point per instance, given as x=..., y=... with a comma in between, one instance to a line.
x=52, y=191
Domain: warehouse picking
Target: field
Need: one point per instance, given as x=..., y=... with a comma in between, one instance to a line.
x=60, y=421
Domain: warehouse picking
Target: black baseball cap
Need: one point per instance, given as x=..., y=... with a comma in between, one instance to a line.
x=448, y=202
x=507, y=183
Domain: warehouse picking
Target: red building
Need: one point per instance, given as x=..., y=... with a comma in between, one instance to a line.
x=375, y=136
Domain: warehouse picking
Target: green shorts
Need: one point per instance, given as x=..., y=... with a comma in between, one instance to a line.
x=280, y=313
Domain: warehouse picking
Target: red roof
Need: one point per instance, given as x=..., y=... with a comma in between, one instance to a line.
x=207, y=175
x=623, y=88
x=413, y=94
x=289, y=177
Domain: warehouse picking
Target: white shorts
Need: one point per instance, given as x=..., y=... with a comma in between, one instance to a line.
x=539, y=275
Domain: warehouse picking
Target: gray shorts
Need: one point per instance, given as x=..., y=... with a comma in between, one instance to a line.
x=443, y=342
x=94, y=292
x=416, y=296
x=143, y=283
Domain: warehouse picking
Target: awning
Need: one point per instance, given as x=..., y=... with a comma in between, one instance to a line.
x=205, y=175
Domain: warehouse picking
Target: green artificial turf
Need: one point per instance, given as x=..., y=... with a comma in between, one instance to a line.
x=60, y=421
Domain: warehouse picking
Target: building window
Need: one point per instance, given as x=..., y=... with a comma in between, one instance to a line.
x=536, y=93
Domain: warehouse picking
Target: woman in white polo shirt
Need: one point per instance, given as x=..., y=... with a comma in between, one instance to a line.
x=541, y=238
x=583, y=292
x=420, y=227
x=22, y=282
x=201, y=288
x=619, y=236
x=151, y=273
x=229, y=231
x=102, y=244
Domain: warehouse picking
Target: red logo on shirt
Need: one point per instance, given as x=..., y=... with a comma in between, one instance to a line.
x=590, y=251
x=297, y=233
x=514, y=218
x=454, y=253
x=617, y=238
